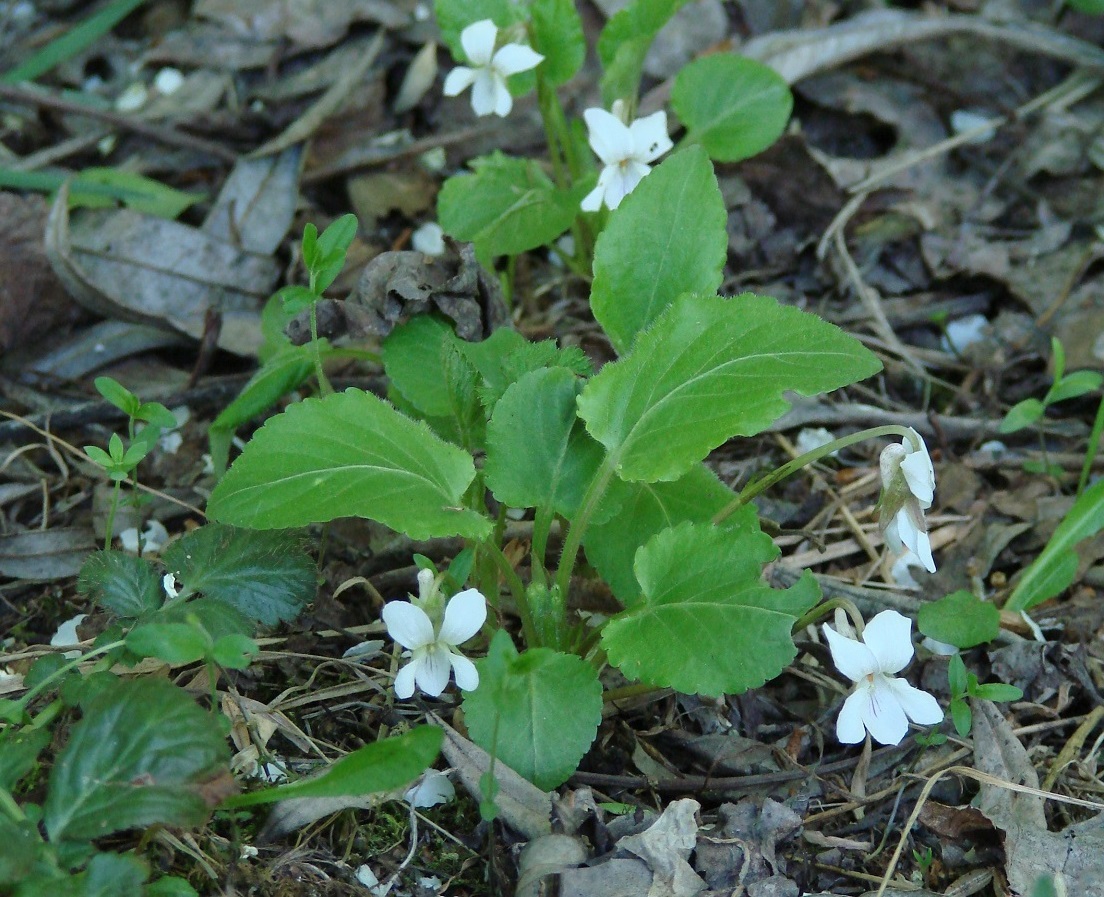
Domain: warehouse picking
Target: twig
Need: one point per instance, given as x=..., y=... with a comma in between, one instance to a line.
x=161, y=133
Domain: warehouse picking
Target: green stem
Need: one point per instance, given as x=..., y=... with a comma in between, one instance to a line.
x=1094, y=447
x=762, y=485
x=542, y=525
x=65, y=668
x=574, y=539
x=324, y=386
x=822, y=610
x=517, y=590
x=9, y=806
x=111, y=514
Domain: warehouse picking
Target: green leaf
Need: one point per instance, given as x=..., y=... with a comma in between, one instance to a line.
x=19, y=749
x=453, y=17
x=1055, y=568
x=960, y=619
x=349, y=454
x=98, y=456
x=72, y=42
x=558, y=37
x=156, y=415
x=278, y=376
x=413, y=359
x=234, y=652
x=733, y=106
x=506, y=356
x=380, y=766
x=962, y=716
x=123, y=584
x=538, y=452
x=112, y=875
x=634, y=512
x=118, y=395
x=218, y=619
x=1022, y=414
x=624, y=43
x=667, y=238
x=132, y=189
x=1092, y=8
x=506, y=207
x=709, y=369
x=296, y=297
x=332, y=247
x=135, y=759
x=265, y=575
x=1076, y=384
x=174, y=643
x=312, y=255
x=170, y=886
x=538, y=711
x=707, y=625
x=956, y=676
x=998, y=691
x=23, y=849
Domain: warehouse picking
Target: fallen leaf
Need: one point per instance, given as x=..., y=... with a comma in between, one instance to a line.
x=44, y=555
x=666, y=846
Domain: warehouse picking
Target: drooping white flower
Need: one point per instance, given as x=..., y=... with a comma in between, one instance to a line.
x=626, y=152
x=880, y=704
x=490, y=68
x=908, y=486
x=432, y=653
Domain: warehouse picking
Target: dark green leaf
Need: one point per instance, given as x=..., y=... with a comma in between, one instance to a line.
x=121, y=583
x=265, y=575
x=135, y=759
x=19, y=749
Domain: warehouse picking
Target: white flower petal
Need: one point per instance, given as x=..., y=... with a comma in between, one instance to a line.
x=404, y=681
x=609, y=137
x=66, y=634
x=913, y=538
x=467, y=676
x=514, y=58
x=592, y=202
x=483, y=98
x=503, y=101
x=465, y=614
x=128, y=539
x=889, y=638
x=918, y=705
x=919, y=473
x=433, y=671
x=458, y=80
x=408, y=625
x=849, y=724
x=854, y=659
x=649, y=134
x=478, y=41
x=882, y=714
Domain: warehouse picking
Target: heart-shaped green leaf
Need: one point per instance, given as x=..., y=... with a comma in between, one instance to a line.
x=538, y=452
x=960, y=619
x=733, y=106
x=538, y=711
x=349, y=454
x=709, y=369
x=667, y=238
x=634, y=512
x=707, y=625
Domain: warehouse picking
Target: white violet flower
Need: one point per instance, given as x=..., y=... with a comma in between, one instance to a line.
x=487, y=77
x=434, y=788
x=880, y=704
x=625, y=151
x=908, y=486
x=432, y=648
